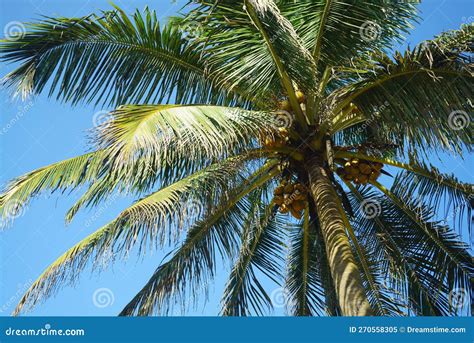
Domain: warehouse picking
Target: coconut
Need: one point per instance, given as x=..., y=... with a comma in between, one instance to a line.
x=348, y=177
x=377, y=166
x=279, y=190
x=364, y=168
x=354, y=171
x=300, y=96
x=298, y=205
x=278, y=200
x=283, y=131
x=374, y=175
x=285, y=105
x=289, y=189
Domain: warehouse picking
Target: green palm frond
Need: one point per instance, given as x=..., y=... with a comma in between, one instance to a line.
x=111, y=59
x=261, y=251
x=190, y=132
x=410, y=284
x=390, y=102
x=284, y=43
x=372, y=276
x=193, y=263
x=304, y=279
x=152, y=221
x=335, y=31
x=67, y=174
x=439, y=252
x=205, y=169
x=440, y=191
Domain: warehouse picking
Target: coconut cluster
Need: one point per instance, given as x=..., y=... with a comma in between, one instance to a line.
x=285, y=105
x=291, y=197
x=282, y=136
x=360, y=171
x=278, y=140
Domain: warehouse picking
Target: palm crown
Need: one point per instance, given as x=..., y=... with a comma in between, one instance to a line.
x=286, y=109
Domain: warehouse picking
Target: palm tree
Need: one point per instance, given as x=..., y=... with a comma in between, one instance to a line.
x=288, y=114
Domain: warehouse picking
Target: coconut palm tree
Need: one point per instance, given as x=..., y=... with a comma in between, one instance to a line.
x=256, y=132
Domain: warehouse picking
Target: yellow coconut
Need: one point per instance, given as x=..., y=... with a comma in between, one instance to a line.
x=285, y=105
x=377, y=166
x=348, y=177
x=289, y=188
x=374, y=175
x=354, y=171
x=278, y=200
x=283, y=131
x=300, y=96
x=364, y=168
x=279, y=190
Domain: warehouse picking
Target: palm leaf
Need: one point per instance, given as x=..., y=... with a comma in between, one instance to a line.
x=70, y=173
x=112, y=59
x=409, y=283
x=193, y=262
x=304, y=279
x=261, y=250
x=389, y=99
x=151, y=221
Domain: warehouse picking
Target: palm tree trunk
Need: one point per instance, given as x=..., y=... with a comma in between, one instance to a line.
x=345, y=274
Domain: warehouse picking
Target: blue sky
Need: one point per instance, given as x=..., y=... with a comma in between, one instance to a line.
x=41, y=131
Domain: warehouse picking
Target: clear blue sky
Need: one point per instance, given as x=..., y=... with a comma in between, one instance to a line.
x=45, y=131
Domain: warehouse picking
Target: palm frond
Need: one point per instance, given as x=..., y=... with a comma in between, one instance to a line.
x=67, y=174
x=409, y=283
x=441, y=253
x=147, y=131
x=193, y=263
x=335, y=31
x=261, y=250
x=439, y=190
x=284, y=42
x=112, y=59
x=151, y=222
x=372, y=277
x=393, y=107
x=304, y=279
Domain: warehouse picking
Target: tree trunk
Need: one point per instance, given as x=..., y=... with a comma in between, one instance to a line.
x=345, y=274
